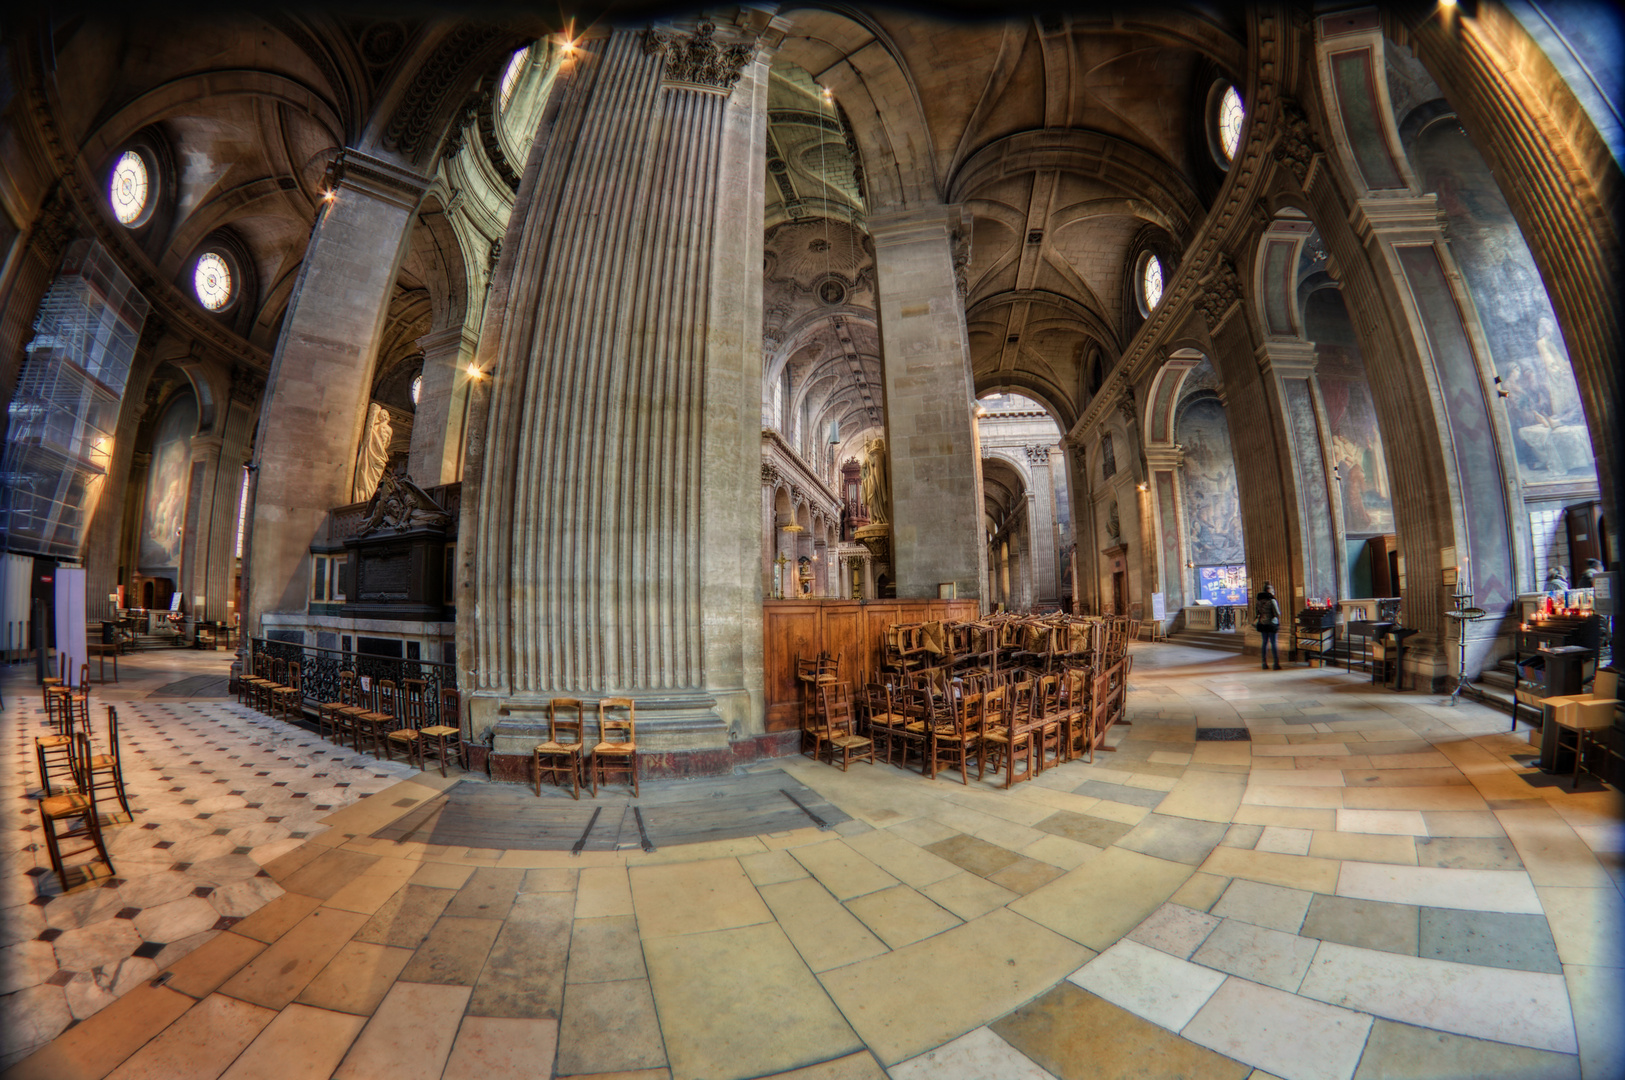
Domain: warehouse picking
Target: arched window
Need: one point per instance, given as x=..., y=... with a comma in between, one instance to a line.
x=1231, y=115
x=510, y=76
x=417, y=388
x=212, y=280
x=1150, y=282
x=130, y=190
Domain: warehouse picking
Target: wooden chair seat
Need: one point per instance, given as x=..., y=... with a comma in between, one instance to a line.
x=57, y=807
x=617, y=746
x=614, y=748
x=439, y=730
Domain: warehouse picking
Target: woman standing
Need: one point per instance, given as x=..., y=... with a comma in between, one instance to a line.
x=1267, y=616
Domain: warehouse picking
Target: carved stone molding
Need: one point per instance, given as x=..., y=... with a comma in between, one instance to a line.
x=1036, y=455
x=1297, y=146
x=1221, y=292
x=770, y=473
x=1126, y=407
x=412, y=129
x=699, y=59
x=380, y=179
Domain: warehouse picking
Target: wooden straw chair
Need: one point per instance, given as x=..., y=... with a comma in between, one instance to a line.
x=73, y=806
x=446, y=726
x=109, y=767
x=840, y=725
x=408, y=735
x=565, y=748
x=617, y=746
x=289, y=698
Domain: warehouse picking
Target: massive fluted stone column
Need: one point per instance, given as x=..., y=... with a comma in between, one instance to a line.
x=1041, y=522
x=320, y=380
x=930, y=399
x=618, y=519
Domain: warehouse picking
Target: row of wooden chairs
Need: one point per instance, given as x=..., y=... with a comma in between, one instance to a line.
x=71, y=773
x=275, y=688
x=994, y=718
x=566, y=756
x=386, y=716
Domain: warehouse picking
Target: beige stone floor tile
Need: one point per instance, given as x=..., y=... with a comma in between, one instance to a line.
x=518, y=859
x=201, y=971
x=690, y=898
x=1204, y=796
x=488, y=893
x=724, y=998
x=1077, y=1035
x=1222, y=753
x=524, y=972
x=1201, y=891
x=1315, y=748
x=439, y=875
x=907, y=862
x=289, y=862
x=1286, y=817
x=923, y=831
x=1365, y=847
x=302, y=1043
x=625, y=1074
x=1276, y=765
x=859, y=1066
x=327, y=873
x=279, y=974
x=356, y=979
x=968, y=895
x=550, y=880
x=406, y=918
x=605, y=950
x=794, y=838
x=1105, y=898
x=1060, y=851
x=373, y=888
x=953, y=982
x=772, y=867
x=825, y=933
x=1427, y=759
x=1599, y=1002
x=1122, y=812
x=454, y=953
x=842, y=870
x=1407, y=778
x=1403, y=1052
x=604, y=890
x=199, y=1045
x=91, y=1049
x=1291, y=871
x=1266, y=793
x=410, y=1035
x=1588, y=925
x=713, y=849
x=277, y=918
x=1414, y=798
x=1551, y=850
x=1306, y=773
x=901, y=916
x=496, y=1048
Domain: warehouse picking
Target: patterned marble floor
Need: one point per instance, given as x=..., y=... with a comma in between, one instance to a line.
x=1275, y=874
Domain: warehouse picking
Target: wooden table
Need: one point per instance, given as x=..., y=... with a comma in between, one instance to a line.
x=102, y=650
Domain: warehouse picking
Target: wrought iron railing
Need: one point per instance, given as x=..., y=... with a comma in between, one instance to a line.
x=319, y=671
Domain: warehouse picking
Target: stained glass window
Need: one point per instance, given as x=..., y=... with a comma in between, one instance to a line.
x=1151, y=283
x=417, y=388
x=212, y=281
x=128, y=192
x=510, y=74
x=1231, y=114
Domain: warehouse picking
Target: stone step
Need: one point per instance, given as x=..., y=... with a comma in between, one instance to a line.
x=1227, y=641
x=1500, y=680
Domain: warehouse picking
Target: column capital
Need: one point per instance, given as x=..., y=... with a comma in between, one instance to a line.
x=944, y=221
x=354, y=170
x=1164, y=457
x=706, y=57
x=1399, y=218
x=454, y=340
x=1290, y=358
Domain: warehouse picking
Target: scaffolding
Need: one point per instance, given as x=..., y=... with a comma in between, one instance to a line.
x=64, y=414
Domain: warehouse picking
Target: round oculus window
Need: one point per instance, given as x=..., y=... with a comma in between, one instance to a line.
x=212, y=280
x=129, y=188
x=1231, y=115
x=1151, y=283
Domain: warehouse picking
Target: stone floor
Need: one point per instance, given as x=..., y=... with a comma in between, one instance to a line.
x=1275, y=874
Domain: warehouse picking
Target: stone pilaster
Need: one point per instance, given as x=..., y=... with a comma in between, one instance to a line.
x=1041, y=521
x=316, y=395
x=1291, y=364
x=930, y=399
x=617, y=514
x=437, y=425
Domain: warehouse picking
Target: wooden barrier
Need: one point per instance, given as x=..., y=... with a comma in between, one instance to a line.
x=853, y=630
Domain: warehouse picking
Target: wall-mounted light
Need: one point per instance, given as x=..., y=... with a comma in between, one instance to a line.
x=1142, y=486
x=329, y=195
x=474, y=371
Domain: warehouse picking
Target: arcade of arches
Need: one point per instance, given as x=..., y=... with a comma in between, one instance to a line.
x=675, y=320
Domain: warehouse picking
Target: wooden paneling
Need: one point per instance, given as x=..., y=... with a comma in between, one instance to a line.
x=853, y=630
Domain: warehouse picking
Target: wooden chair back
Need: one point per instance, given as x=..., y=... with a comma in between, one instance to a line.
x=614, y=727
x=349, y=689
x=413, y=692
x=573, y=723
x=838, y=718
x=388, y=698
x=451, y=708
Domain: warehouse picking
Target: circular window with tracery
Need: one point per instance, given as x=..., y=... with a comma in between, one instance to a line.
x=129, y=189
x=1231, y=115
x=1151, y=283
x=212, y=280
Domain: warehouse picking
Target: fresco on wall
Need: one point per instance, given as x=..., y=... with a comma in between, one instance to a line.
x=1355, y=444
x=1548, y=426
x=1212, y=503
x=1320, y=560
x=166, y=487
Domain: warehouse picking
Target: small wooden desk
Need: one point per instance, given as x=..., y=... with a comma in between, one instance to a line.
x=102, y=650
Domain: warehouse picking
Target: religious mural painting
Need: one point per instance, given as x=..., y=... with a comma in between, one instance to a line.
x=165, y=508
x=1354, y=441
x=1212, y=502
x=1543, y=403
